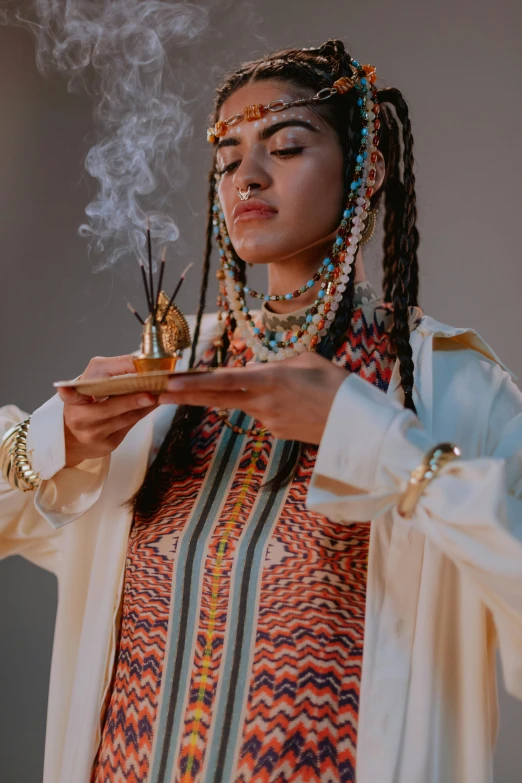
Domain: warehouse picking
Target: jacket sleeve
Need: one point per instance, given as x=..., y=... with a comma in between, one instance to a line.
x=65, y=493
x=472, y=510
x=29, y=521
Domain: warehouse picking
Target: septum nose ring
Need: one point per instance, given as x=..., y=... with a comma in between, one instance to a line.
x=244, y=195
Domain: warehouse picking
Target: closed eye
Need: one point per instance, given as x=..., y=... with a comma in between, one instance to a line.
x=283, y=154
x=288, y=152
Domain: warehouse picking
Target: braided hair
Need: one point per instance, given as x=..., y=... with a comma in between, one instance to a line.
x=314, y=69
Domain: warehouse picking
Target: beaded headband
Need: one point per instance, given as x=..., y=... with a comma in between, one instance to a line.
x=257, y=111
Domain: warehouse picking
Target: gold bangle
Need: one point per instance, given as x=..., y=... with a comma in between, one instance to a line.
x=14, y=462
x=430, y=466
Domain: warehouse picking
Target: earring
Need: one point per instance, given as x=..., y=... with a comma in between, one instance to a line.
x=369, y=228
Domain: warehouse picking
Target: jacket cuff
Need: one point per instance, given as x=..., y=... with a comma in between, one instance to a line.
x=46, y=438
x=369, y=448
x=72, y=491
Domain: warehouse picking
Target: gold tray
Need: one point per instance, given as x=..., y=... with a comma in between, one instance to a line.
x=155, y=381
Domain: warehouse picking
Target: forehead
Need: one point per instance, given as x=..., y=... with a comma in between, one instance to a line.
x=263, y=92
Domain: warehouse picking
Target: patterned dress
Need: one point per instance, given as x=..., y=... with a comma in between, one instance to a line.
x=242, y=620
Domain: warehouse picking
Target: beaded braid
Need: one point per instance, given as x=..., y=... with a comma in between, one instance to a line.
x=317, y=68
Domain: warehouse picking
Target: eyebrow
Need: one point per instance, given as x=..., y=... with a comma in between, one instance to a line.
x=269, y=131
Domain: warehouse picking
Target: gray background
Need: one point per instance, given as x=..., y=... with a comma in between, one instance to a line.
x=458, y=65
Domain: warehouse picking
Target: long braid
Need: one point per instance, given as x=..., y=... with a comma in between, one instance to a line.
x=405, y=288
x=393, y=198
x=206, y=269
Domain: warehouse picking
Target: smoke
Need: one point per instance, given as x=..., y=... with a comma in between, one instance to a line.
x=129, y=55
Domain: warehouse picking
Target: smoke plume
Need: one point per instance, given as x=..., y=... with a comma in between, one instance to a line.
x=129, y=55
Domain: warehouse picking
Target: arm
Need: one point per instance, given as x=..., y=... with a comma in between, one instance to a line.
x=472, y=510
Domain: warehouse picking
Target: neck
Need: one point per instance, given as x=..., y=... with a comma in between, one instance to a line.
x=285, y=278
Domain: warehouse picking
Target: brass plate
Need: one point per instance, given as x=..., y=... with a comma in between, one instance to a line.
x=155, y=381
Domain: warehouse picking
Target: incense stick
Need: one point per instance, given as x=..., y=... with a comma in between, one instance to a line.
x=149, y=251
x=144, y=276
x=171, y=301
x=162, y=272
x=134, y=312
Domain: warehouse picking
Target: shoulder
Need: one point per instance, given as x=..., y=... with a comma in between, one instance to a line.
x=460, y=348
x=468, y=379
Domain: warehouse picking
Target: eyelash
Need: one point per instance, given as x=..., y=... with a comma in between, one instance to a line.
x=283, y=154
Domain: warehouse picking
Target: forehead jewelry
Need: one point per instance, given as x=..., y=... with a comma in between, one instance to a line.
x=335, y=271
x=244, y=195
x=257, y=111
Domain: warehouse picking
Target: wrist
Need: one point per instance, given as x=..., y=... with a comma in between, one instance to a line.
x=15, y=465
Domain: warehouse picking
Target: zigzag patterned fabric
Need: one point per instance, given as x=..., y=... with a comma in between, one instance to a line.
x=242, y=620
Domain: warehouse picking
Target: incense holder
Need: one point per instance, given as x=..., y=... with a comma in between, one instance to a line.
x=163, y=339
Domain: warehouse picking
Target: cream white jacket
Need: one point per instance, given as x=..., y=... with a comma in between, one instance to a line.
x=444, y=588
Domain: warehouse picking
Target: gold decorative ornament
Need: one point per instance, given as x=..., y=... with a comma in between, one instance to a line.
x=15, y=466
x=369, y=228
x=429, y=468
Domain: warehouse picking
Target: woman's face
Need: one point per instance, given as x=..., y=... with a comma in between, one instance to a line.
x=293, y=163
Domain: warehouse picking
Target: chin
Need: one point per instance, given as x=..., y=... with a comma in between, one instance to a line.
x=255, y=251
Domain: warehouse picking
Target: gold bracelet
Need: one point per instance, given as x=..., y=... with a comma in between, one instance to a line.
x=14, y=462
x=430, y=466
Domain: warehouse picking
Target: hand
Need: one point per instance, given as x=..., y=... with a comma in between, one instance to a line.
x=291, y=398
x=94, y=428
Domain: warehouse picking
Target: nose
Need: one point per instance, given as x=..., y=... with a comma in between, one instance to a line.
x=251, y=173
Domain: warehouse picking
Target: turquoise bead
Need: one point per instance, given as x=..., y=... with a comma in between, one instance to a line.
x=321, y=294
x=256, y=330
x=311, y=283
x=331, y=267
x=288, y=296
x=309, y=318
x=293, y=339
x=338, y=242
x=364, y=132
x=353, y=186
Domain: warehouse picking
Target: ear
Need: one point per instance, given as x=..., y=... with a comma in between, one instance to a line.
x=381, y=171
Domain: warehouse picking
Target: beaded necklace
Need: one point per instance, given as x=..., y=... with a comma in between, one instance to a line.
x=334, y=270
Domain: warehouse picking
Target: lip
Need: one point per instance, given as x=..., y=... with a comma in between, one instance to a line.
x=253, y=209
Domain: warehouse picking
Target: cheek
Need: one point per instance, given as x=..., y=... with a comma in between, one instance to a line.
x=312, y=197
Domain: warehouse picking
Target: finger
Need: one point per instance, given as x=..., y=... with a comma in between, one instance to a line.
x=107, y=366
x=112, y=407
x=127, y=420
x=211, y=399
x=224, y=380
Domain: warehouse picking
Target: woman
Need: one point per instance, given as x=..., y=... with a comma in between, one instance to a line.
x=277, y=603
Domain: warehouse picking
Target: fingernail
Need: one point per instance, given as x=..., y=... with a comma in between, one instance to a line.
x=143, y=402
x=175, y=385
